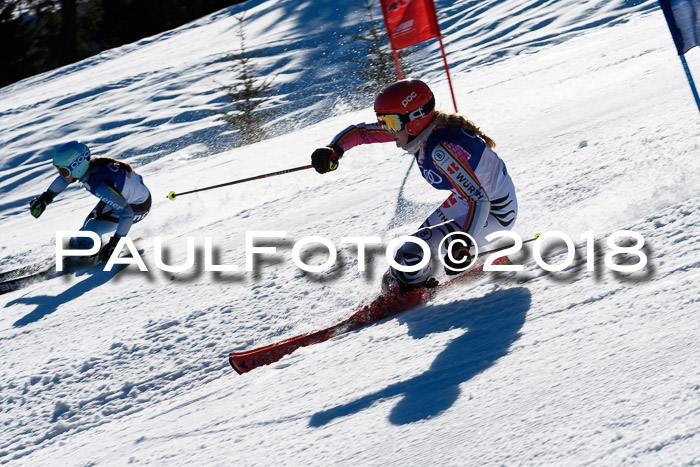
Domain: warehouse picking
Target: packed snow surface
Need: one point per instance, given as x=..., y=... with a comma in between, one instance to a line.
x=595, y=120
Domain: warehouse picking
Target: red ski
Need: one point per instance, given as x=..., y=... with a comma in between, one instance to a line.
x=384, y=306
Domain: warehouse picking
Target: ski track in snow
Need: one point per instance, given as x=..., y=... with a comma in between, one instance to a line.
x=594, y=119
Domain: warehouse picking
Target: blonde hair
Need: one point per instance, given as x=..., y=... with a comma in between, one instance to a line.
x=453, y=119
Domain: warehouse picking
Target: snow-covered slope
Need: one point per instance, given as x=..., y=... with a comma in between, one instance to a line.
x=592, y=114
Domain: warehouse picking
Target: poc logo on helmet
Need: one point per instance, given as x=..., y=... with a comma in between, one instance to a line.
x=408, y=99
x=77, y=162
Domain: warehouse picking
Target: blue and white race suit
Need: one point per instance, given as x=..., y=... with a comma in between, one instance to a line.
x=123, y=200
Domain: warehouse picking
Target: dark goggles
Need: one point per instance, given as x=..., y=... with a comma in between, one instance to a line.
x=396, y=122
x=64, y=171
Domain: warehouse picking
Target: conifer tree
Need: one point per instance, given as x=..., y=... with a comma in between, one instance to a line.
x=375, y=65
x=248, y=94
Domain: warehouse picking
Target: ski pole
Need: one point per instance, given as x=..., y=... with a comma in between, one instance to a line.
x=496, y=250
x=172, y=195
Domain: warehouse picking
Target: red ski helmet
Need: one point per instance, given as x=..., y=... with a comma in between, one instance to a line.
x=410, y=99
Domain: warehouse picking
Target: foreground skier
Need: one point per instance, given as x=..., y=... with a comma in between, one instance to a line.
x=124, y=199
x=452, y=154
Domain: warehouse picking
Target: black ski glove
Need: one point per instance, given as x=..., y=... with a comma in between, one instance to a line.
x=38, y=205
x=326, y=159
x=107, y=250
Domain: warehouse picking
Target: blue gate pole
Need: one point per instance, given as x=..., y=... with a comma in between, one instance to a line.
x=690, y=80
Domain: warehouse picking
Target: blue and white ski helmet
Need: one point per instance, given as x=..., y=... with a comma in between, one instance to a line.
x=73, y=158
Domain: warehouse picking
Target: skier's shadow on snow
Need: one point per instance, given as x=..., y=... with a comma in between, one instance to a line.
x=492, y=323
x=47, y=304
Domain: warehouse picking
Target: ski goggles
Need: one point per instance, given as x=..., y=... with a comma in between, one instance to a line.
x=63, y=171
x=392, y=123
x=396, y=122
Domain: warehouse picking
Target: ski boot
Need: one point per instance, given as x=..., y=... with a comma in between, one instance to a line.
x=392, y=284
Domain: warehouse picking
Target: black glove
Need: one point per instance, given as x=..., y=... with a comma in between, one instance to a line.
x=326, y=159
x=38, y=205
x=107, y=250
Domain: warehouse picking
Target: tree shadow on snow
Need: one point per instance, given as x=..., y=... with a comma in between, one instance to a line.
x=492, y=323
x=47, y=304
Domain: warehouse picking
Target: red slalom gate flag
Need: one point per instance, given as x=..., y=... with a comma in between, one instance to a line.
x=409, y=22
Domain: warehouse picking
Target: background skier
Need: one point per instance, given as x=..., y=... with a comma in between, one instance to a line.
x=124, y=199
